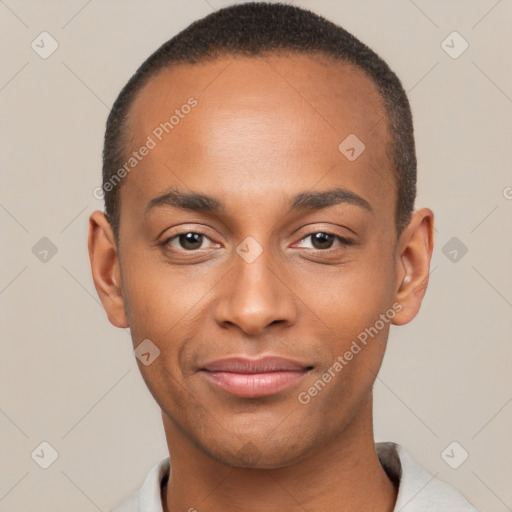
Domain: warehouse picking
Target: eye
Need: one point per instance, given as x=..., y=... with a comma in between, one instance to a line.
x=188, y=241
x=324, y=240
x=191, y=241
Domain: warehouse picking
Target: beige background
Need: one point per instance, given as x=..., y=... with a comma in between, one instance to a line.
x=69, y=378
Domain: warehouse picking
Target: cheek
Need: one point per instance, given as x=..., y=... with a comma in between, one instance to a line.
x=353, y=297
x=358, y=320
x=161, y=299
x=355, y=306
x=166, y=306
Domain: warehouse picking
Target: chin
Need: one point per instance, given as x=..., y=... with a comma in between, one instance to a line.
x=256, y=454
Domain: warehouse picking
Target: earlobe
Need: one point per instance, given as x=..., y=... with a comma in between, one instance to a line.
x=105, y=268
x=414, y=253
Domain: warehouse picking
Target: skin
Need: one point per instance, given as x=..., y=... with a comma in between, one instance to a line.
x=264, y=130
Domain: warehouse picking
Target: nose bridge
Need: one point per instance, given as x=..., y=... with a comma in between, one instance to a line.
x=253, y=296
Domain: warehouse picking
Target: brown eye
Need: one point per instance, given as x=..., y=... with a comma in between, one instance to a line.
x=190, y=241
x=322, y=240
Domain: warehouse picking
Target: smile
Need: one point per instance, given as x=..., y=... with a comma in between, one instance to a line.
x=254, y=378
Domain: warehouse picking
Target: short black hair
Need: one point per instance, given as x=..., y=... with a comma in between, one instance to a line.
x=256, y=29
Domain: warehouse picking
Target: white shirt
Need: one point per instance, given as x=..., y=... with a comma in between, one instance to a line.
x=417, y=492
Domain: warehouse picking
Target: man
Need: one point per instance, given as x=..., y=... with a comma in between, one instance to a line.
x=259, y=240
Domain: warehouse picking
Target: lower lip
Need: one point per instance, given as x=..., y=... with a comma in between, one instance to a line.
x=251, y=385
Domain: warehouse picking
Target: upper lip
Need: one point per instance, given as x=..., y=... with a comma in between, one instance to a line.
x=262, y=365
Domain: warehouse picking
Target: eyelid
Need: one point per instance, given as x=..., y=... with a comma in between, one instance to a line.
x=167, y=239
x=341, y=238
x=341, y=231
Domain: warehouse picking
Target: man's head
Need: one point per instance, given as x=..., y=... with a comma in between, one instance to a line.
x=258, y=29
x=250, y=228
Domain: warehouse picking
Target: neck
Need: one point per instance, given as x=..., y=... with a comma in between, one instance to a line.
x=344, y=474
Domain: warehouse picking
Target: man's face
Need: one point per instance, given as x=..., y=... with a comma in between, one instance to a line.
x=262, y=132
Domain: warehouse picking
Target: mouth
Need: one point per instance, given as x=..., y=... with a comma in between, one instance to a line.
x=250, y=378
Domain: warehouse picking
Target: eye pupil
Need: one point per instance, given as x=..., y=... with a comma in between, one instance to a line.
x=322, y=240
x=191, y=240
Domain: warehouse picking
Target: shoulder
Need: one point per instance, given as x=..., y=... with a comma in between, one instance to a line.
x=419, y=491
x=148, y=497
x=130, y=504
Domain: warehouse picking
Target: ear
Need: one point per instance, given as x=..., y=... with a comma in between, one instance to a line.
x=105, y=268
x=414, y=253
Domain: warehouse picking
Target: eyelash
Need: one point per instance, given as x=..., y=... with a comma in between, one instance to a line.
x=343, y=240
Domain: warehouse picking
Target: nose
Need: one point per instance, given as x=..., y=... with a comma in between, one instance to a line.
x=255, y=295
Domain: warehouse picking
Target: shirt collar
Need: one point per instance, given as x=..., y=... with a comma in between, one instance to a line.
x=418, y=491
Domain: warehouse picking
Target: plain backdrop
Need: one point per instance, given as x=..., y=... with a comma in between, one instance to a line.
x=69, y=378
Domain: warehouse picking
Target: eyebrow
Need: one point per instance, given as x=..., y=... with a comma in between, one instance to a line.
x=310, y=201
x=303, y=201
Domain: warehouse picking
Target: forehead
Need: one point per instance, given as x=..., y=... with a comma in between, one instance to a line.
x=338, y=92
x=260, y=123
